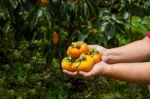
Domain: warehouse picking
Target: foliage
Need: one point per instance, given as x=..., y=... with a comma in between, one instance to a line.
x=30, y=61
x=134, y=31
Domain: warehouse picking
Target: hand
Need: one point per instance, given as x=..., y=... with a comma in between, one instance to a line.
x=97, y=70
x=98, y=48
x=102, y=50
x=70, y=73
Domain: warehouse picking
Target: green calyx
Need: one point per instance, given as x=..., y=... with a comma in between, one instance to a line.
x=77, y=44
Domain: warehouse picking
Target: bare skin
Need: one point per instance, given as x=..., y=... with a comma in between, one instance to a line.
x=123, y=63
x=137, y=51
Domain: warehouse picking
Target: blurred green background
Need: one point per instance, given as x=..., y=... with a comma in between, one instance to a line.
x=30, y=60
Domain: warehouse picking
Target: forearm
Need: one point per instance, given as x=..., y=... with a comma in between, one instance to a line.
x=132, y=72
x=133, y=52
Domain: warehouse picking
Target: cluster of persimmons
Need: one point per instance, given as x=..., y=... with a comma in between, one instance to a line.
x=80, y=57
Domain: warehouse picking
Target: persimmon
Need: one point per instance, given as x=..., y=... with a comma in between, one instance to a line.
x=97, y=57
x=77, y=48
x=84, y=63
x=43, y=3
x=55, y=38
x=73, y=1
x=67, y=64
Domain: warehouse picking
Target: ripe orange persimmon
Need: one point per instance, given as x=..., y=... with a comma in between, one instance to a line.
x=73, y=1
x=84, y=63
x=97, y=57
x=67, y=64
x=43, y=3
x=77, y=48
x=55, y=38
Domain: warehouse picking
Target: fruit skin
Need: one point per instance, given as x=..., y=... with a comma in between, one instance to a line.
x=55, y=38
x=97, y=58
x=73, y=52
x=84, y=48
x=85, y=64
x=77, y=48
x=43, y=3
x=67, y=64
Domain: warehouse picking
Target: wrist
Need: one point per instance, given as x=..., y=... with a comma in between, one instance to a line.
x=106, y=57
x=106, y=70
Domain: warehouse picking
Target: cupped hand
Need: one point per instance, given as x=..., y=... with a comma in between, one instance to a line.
x=70, y=72
x=98, y=48
x=97, y=70
x=101, y=50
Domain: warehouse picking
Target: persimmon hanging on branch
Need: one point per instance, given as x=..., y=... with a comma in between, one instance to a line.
x=43, y=3
x=55, y=38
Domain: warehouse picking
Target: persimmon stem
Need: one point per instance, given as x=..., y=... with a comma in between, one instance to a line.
x=77, y=44
x=92, y=51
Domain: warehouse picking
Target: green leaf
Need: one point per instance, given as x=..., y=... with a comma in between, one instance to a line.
x=81, y=36
x=14, y=3
x=104, y=26
x=126, y=15
x=34, y=17
x=111, y=31
x=92, y=7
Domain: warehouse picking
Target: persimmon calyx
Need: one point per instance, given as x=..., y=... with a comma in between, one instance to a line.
x=93, y=52
x=68, y=59
x=77, y=44
x=81, y=58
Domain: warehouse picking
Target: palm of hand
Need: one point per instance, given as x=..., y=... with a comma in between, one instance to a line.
x=97, y=68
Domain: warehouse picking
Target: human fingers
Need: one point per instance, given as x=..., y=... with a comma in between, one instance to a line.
x=97, y=47
x=92, y=46
x=97, y=70
x=70, y=73
x=86, y=74
x=105, y=58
